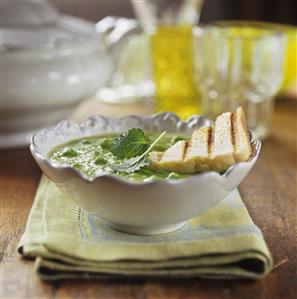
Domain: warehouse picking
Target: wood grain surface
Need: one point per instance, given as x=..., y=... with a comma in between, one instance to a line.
x=269, y=193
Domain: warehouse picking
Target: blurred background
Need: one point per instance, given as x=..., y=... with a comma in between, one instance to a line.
x=278, y=11
x=150, y=54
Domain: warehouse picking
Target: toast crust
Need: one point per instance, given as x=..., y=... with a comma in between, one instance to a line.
x=242, y=145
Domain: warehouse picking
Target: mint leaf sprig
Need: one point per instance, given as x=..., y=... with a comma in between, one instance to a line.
x=135, y=163
x=130, y=144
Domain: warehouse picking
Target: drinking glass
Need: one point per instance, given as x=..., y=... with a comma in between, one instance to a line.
x=239, y=66
x=290, y=63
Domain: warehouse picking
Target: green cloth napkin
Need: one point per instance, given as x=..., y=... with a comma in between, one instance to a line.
x=69, y=242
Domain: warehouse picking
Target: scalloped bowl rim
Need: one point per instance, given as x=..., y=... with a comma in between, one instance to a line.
x=256, y=145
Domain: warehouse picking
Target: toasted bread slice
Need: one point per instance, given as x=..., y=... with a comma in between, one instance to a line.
x=198, y=149
x=242, y=145
x=173, y=159
x=221, y=152
x=216, y=148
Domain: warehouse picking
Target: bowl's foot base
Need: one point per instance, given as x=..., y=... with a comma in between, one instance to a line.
x=147, y=230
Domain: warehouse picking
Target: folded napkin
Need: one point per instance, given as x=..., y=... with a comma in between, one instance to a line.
x=69, y=242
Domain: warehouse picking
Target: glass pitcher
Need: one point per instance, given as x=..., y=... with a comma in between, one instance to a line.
x=169, y=24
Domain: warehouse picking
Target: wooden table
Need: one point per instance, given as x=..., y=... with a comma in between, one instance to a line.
x=269, y=193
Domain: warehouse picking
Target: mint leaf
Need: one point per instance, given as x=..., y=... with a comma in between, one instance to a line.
x=135, y=163
x=130, y=144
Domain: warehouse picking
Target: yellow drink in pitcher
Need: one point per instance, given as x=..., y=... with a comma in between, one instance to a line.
x=173, y=70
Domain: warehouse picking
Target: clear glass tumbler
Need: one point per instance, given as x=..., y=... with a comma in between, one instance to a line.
x=290, y=63
x=239, y=66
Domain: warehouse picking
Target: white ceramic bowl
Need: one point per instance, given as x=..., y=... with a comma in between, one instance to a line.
x=49, y=63
x=141, y=208
x=43, y=85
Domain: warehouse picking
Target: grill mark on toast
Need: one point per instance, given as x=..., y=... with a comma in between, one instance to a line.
x=233, y=130
x=186, y=148
x=210, y=137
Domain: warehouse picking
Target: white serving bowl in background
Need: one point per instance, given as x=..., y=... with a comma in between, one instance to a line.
x=42, y=86
x=50, y=62
x=147, y=208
